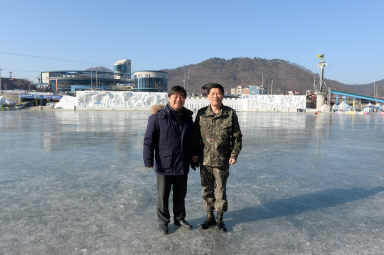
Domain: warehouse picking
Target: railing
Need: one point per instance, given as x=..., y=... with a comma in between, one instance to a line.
x=356, y=96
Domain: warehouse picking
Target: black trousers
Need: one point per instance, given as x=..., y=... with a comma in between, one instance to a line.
x=178, y=184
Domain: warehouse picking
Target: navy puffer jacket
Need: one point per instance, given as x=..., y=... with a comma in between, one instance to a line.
x=168, y=142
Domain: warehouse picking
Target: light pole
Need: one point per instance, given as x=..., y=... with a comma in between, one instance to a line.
x=322, y=64
x=321, y=90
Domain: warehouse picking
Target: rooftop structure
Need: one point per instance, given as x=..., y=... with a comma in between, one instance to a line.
x=150, y=81
x=72, y=80
x=122, y=69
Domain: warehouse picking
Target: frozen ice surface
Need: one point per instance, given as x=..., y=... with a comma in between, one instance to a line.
x=73, y=182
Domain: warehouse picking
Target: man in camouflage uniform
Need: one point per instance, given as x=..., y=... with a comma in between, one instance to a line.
x=217, y=143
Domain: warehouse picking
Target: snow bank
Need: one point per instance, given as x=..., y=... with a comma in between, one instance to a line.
x=111, y=100
x=324, y=108
x=121, y=100
x=5, y=101
x=271, y=103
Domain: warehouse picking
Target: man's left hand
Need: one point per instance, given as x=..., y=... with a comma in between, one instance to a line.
x=232, y=161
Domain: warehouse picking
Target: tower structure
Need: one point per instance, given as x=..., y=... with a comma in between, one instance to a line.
x=122, y=69
x=322, y=64
x=321, y=88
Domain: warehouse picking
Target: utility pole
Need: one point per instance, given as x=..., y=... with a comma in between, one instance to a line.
x=262, y=81
x=374, y=89
x=262, y=84
x=271, y=86
x=187, y=79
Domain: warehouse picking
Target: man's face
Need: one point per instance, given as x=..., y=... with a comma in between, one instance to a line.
x=215, y=97
x=176, y=101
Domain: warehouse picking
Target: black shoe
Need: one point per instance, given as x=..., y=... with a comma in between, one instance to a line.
x=209, y=221
x=163, y=228
x=183, y=223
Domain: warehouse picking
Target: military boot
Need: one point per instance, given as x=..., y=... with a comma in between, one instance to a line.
x=209, y=221
x=220, y=223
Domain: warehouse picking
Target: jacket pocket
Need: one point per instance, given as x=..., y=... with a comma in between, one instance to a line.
x=226, y=124
x=226, y=130
x=166, y=160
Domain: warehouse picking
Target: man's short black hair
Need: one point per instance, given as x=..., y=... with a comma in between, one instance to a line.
x=177, y=89
x=215, y=85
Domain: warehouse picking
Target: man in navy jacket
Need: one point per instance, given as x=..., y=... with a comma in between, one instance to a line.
x=167, y=148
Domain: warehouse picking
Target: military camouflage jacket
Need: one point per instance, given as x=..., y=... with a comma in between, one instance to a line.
x=216, y=137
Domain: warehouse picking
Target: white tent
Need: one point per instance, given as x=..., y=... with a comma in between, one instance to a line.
x=344, y=107
x=371, y=108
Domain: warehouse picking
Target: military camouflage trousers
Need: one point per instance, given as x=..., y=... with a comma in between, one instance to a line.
x=213, y=183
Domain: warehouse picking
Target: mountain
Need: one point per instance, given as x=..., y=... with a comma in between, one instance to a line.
x=11, y=84
x=230, y=73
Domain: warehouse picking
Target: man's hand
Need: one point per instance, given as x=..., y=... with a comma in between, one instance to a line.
x=195, y=159
x=149, y=166
x=232, y=161
x=195, y=162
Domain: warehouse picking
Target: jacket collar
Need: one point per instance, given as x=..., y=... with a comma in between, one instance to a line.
x=223, y=112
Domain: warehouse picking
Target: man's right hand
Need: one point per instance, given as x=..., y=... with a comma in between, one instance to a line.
x=149, y=166
x=195, y=159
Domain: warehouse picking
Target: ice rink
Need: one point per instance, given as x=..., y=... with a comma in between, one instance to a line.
x=73, y=182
